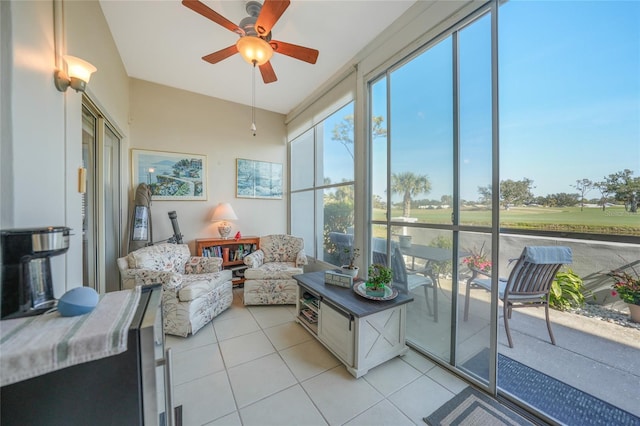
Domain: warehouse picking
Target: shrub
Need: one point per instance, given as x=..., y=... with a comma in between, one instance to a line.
x=567, y=291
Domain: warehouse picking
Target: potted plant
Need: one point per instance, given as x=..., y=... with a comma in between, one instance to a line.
x=478, y=261
x=351, y=254
x=627, y=287
x=379, y=277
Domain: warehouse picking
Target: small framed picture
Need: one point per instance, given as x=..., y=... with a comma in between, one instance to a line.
x=258, y=179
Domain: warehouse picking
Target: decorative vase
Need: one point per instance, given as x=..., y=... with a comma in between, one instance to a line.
x=376, y=292
x=634, y=312
x=405, y=241
x=351, y=272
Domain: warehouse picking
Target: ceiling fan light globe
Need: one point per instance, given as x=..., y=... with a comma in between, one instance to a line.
x=254, y=50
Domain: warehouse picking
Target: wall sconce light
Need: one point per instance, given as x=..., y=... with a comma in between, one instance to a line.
x=79, y=73
x=222, y=213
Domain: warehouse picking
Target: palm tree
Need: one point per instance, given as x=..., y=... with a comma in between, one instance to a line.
x=409, y=184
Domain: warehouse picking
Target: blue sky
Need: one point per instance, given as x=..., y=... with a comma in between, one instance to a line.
x=569, y=99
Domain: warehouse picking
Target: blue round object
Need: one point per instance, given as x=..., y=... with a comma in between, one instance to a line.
x=77, y=301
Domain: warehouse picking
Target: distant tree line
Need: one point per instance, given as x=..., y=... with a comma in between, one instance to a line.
x=621, y=187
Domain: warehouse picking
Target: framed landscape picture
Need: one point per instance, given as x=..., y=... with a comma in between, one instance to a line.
x=170, y=175
x=258, y=179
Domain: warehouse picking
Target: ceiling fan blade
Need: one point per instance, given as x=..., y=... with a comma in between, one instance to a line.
x=295, y=51
x=268, y=74
x=218, y=56
x=271, y=11
x=204, y=10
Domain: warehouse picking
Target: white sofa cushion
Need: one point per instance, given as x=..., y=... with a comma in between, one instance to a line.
x=273, y=271
x=194, y=290
x=197, y=285
x=270, y=292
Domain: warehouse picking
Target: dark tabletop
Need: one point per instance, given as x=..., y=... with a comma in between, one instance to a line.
x=346, y=298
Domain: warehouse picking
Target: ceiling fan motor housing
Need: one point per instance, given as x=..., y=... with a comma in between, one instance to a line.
x=254, y=30
x=253, y=8
x=248, y=24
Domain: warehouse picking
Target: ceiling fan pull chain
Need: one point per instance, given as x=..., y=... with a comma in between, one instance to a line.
x=253, y=100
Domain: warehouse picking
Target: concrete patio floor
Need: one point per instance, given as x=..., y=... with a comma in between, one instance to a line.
x=595, y=356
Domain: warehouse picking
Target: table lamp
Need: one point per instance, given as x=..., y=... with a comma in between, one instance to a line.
x=222, y=213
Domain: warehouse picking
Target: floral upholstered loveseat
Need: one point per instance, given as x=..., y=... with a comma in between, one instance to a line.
x=269, y=276
x=194, y=289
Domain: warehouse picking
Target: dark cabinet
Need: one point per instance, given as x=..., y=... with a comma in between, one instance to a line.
x=123, y=389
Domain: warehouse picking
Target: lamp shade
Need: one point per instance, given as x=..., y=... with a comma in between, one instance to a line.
x=79, y=68
x=254, y=49
x=223, y=211
x=77, y=77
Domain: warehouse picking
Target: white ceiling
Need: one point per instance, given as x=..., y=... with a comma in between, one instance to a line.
x=163, y=42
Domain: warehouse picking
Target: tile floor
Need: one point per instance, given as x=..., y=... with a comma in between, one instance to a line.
x=257, y=366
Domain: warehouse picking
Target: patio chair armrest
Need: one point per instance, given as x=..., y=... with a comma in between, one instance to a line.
x=475, y=272
x=422, y=271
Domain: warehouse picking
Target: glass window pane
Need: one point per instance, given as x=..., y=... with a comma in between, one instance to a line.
x=422, y=137
x=474, y=52
x=302, y=207
x=111, y=176
x=379, y=149
x=338, y=218
x=427, y=260
x=474, y=303
x=335, y=140
x=302, y=157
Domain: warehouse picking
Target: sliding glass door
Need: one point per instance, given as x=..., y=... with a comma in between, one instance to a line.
x=101, y=228
x=427, y=211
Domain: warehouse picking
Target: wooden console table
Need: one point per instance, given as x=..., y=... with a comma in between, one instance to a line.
x=231, y=251
x=362, y=333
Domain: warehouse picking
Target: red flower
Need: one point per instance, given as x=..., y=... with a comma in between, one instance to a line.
x=614, y=293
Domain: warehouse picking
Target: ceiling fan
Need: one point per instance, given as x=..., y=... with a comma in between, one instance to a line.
x=255, y=43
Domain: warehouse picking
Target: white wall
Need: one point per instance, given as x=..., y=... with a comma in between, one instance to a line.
x=40, y=139
x=168, y=119
x=41, y=151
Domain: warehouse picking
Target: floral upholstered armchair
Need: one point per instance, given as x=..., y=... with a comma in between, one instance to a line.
x=194, y=289
x=269, y=276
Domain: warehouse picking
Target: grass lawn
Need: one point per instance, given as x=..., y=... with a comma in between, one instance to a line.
x=614, y=220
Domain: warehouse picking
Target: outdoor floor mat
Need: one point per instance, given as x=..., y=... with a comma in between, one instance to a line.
x=473, y=408
x=556, y=399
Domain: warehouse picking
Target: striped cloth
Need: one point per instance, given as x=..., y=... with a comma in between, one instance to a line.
x=37, y=345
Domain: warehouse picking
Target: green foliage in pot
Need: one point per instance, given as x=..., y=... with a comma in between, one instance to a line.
x=626, y=286
x=567, y=291
x=352, y=254
x=378, y=277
